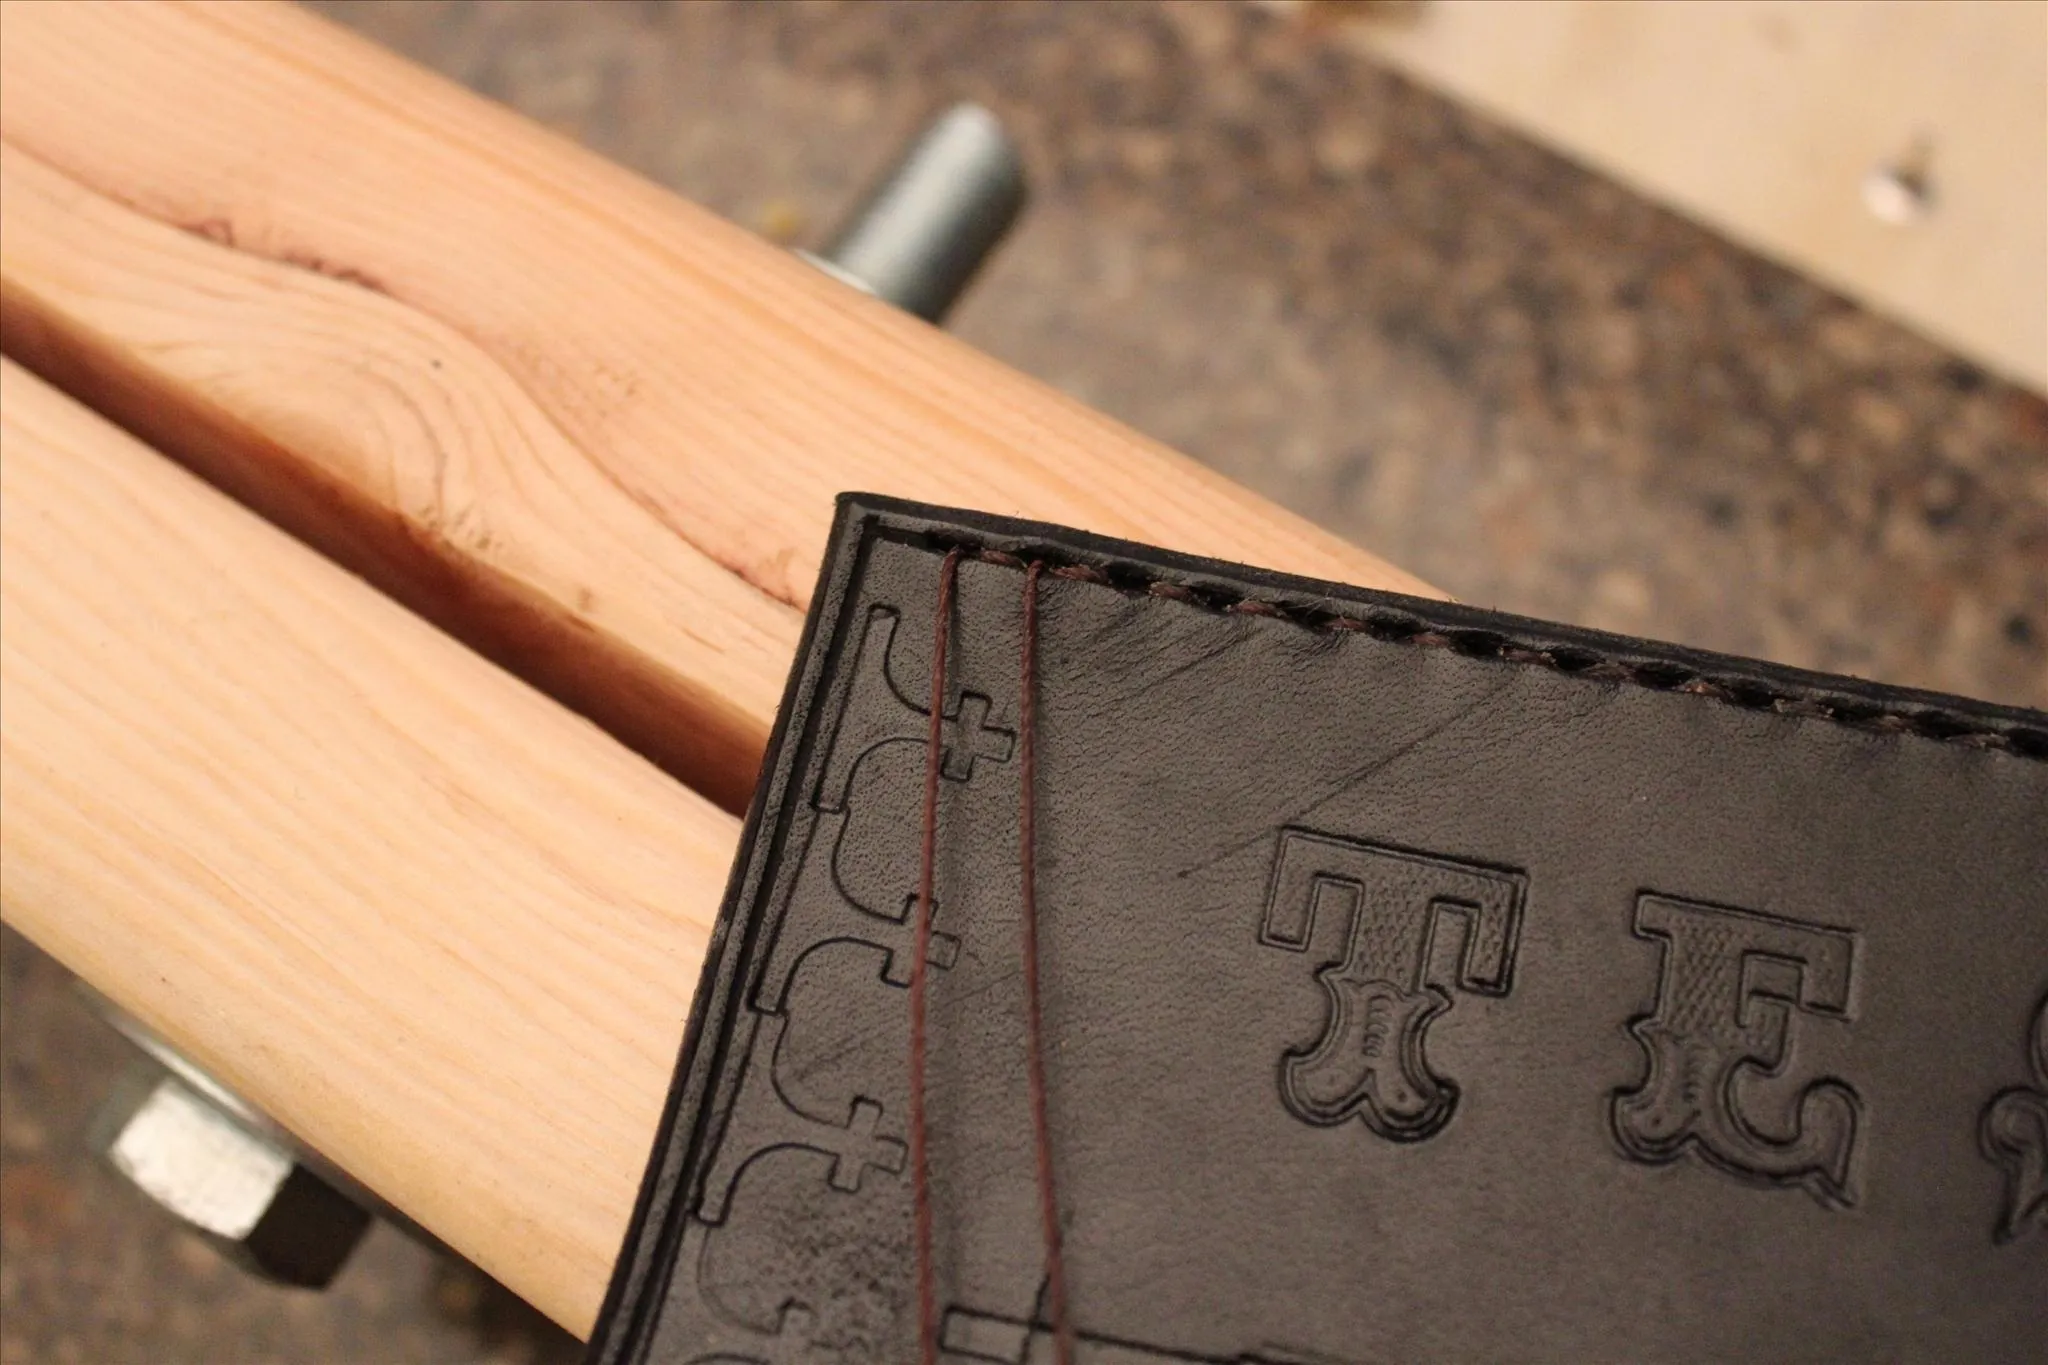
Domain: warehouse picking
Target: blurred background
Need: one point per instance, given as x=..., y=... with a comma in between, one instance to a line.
x=1253, y=238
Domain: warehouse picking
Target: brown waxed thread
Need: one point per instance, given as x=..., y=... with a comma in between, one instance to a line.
x=1749, y=693
x=1034, y=1031
x=1048, y=1199
x=920, y=1169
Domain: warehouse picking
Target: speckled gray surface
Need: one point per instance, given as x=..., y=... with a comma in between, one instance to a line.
x=1496, y=369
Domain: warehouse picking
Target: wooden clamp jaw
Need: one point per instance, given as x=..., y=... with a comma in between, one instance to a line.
x=423, y=912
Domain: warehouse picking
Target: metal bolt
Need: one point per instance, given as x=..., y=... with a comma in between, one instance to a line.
x=238, y=1188
x=223, y=1170
x=930, y=222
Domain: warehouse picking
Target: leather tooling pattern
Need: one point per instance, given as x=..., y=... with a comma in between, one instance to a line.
x=760, y=1108
x=987, y=1338
x=1362, y=1031
x=1733, y=988
x=838, y=874
x=876, y=713
x=785, y=1340
x=1393, y=934
x=852, y=897
x=2014, y=1131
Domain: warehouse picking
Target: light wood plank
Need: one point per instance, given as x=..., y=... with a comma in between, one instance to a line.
x=430, y=922
x=396, y=446
x=1762, y=118
x=540, y=400
x=413, y=909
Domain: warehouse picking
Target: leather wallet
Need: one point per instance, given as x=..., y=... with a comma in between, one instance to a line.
x=1418, y=983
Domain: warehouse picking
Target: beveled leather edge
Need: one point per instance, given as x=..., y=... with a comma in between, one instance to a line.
x=645, y=1269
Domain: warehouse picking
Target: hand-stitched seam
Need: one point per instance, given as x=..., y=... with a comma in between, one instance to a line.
x=1661, y=675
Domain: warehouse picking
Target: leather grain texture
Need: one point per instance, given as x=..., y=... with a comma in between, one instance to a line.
x=1421, y=983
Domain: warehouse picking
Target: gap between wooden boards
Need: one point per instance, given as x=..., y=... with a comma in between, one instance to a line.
x=415, y=911
x=583, y=425
x=442, y=930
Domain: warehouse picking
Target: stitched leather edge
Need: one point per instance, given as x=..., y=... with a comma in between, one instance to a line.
x=1745, y=691
x=643, y=1282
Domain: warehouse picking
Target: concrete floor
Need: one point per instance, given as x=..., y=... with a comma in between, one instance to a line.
x=1460, y=350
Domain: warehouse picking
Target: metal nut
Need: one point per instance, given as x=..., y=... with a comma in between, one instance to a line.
x=238, y=1187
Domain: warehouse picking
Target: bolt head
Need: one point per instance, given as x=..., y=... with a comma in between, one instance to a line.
x=237, y=1187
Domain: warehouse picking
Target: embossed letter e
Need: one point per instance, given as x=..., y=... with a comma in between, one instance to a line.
x=1387, y=930
x=1725, y=1021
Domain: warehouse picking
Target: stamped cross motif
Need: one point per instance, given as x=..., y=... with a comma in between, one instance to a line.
x=969, y=736
x=875, y=712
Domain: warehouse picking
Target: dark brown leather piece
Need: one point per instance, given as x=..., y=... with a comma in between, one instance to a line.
x=1421, y=983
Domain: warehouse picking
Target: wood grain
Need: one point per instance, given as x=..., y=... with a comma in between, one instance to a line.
x=394, y=445
x=538, y=399
x=419, y=913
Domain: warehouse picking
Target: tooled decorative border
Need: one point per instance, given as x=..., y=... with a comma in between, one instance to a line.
x=642, y=1283
x=2024, y=736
